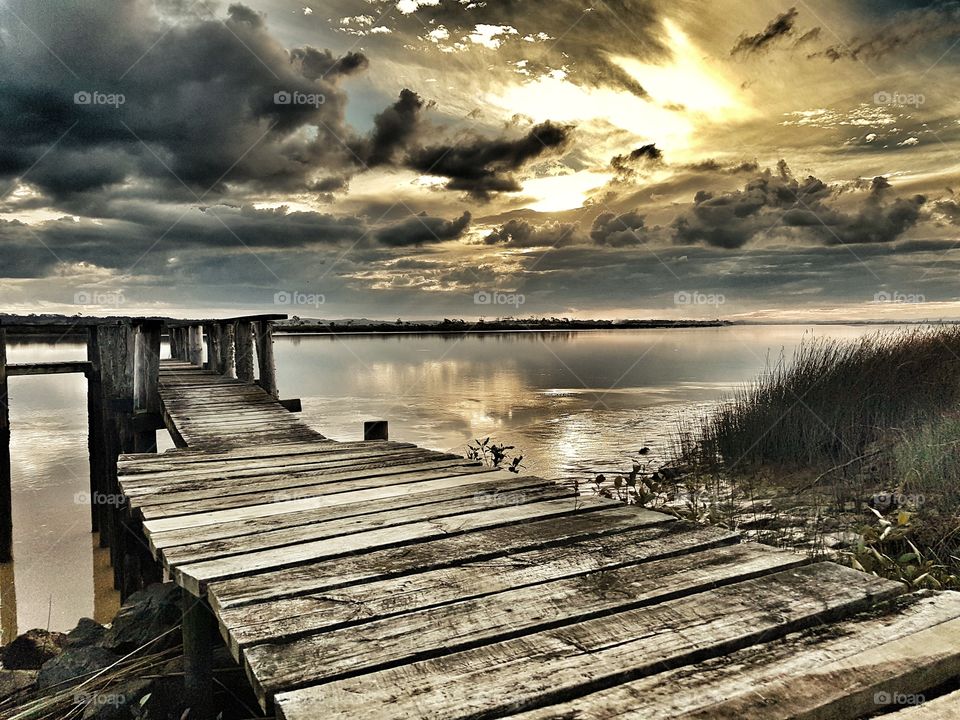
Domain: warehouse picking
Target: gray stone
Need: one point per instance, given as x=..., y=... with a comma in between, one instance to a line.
x=87, y=632
x=145, y=616
x=77, y=664
x=32, y=649
x=13, y=681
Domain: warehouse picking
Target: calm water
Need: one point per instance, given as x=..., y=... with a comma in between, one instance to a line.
x=573, y=403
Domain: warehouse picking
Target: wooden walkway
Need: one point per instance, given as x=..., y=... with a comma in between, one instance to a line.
x=379, y=579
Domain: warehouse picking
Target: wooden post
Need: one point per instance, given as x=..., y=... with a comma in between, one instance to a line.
x=243, y=344
x=195, y=344
x=174, y=336
x=95, y=444
x=213, y=347
x=6, y=480
x=226, y=363
x=268, y=370
x=376, y=430
x=199, y=631
x=147, y=381
x=116, y=351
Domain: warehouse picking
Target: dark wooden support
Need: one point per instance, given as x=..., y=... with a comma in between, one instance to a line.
x=147, y=383
x=263, y=332
x=227, y=357
x=6, y=487
x=292, y=405
x=116, y=349
x=195, y=344
x=199, y=635
x=213, y=348
x=376, y=430
x=51, y=368
x=173, y=335
x=243, y=343
x=95, y=439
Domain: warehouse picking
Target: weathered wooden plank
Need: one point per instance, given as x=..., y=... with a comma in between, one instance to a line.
x=311, y=532
x=174, y=462
x=484, y=545
x=755, y=672
x=49, y=368
x=194, y=577
x=482, y=609
x=571, y=661
x=375, y=482
x=162, y=491
x=167, y=473
x=419, y=483
x=457, y=488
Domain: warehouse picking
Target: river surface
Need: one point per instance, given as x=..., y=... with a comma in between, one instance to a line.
x=574, y=404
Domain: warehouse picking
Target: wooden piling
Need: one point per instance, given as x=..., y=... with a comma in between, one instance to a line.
x=195, y=344
x=263, y=331
x=6, y=480
x=147, y=382
x=95, y=444
x=376, y=430
x=243, y=344
x=199, y=631
x=213, y=347
x=227, y=356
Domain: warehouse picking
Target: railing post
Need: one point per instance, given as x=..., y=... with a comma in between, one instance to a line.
x=195, y=344
x=213, y=349
x=147, y=381
x=268, y=370
x=243, y=344
x=95, y=442
x=174, y=336
x=199, y=632
x=116, y=355
x=226, y=349
x=6, y=480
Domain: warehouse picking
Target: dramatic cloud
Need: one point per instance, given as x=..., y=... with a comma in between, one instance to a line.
x=482, y=167
x=422, y=229
x=393, y=129
x=618, y=230
x=777, y=28
x=778, y=204
x=520, y=233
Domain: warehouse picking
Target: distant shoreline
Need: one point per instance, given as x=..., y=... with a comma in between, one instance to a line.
x=463, y=327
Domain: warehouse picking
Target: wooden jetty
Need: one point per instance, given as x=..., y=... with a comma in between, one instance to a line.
x=376, y=578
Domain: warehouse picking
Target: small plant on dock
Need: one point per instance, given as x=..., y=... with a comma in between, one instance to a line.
x=494, y=455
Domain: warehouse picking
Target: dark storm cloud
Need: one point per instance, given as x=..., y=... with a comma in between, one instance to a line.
x=618, y=230
x=780, y=205
x=521, y=233
x=422, y=229
x=393, y=129
x=200, y=106
x=777, y=28
x=923, y=27
x=626, y=165
x=480, y=166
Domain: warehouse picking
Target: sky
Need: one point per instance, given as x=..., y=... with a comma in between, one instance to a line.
x=452, y=158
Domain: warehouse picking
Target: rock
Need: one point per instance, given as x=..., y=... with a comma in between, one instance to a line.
x=120, y=702
x=13, y=681
x=146, y=615
x=76, y=664
x=87, y=632
x=32, y=649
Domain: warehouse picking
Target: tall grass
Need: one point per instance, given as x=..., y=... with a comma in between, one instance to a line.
x=835, y=401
